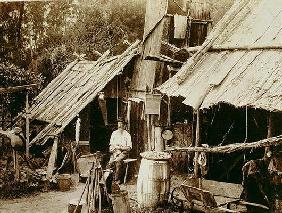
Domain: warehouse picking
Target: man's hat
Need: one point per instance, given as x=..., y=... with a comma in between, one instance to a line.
x=120, y=119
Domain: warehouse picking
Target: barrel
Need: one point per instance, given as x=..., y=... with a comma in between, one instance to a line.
x=153, y=183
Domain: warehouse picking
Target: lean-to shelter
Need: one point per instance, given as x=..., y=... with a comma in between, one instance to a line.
x=77, y=86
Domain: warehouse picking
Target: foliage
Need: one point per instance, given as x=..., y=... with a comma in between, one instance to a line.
x=12, y=75
x=30, y=182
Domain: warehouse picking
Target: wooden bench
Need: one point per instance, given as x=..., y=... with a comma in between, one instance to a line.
x=127, y=161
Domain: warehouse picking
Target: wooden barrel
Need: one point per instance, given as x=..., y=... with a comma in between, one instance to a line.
x=153, y=183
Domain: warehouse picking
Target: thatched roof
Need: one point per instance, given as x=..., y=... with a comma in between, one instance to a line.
x=61, y=101
x=241, y=64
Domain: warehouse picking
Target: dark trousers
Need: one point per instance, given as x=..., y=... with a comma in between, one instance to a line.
x=116, y=162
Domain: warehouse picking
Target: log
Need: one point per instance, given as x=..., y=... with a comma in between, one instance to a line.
x=245, y=47
x=229, y=16
x=52, y=159
x=17, y=88
x=273, y=141
x=163, y=58
x=121, y=202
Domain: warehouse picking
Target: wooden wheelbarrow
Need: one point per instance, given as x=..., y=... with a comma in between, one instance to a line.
x=204, y=201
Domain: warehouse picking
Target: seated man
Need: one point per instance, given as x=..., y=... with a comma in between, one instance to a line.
x=120, y=145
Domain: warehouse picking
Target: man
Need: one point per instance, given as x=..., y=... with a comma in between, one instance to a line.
x=120, y=145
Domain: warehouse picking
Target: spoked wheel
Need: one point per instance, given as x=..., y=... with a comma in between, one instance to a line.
x=177, y=198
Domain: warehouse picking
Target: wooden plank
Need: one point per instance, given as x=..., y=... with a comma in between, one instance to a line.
x=17, y=88
x=274, y=141
x=52, y=159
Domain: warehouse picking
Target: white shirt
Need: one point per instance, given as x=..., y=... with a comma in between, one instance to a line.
x=121, y=138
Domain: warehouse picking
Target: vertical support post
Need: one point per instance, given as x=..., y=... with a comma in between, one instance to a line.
x=159, y=142
x=128, y=114
x=27, y=125
x=16, y=165
x=77, y=130
x=52, y=159
x=269, y=129
x=197, y=143
x=169, y=103
x=148, y=120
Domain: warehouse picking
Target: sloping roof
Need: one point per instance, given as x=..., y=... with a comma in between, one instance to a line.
x=242, y=67
x=74, y=88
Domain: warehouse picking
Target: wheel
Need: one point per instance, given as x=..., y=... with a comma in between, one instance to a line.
x=177, y=198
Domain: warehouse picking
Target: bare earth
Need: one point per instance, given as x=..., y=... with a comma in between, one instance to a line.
x=57, y=202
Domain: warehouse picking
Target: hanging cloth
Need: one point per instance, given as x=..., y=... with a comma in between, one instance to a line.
x=180, y=26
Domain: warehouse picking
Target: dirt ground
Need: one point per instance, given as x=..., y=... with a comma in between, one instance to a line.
x=57, y=202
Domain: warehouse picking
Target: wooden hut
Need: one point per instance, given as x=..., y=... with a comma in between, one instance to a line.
x=239, y=64
x=82, y=104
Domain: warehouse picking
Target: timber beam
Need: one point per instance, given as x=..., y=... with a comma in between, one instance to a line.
x=273, y=141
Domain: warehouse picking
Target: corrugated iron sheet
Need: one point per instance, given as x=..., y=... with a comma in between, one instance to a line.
x=240, y=78
x=74, y=88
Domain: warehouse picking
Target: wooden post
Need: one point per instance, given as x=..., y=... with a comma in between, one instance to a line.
x=197, y=143
x=148, y=118
x=16, y=165
x=27, y=125
x=128, y=114
x=121, y=202
x=270, y=126
x=159, y=142
x=52, y=159
x=269, y=129
x=144, y=77
x=77, y=131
